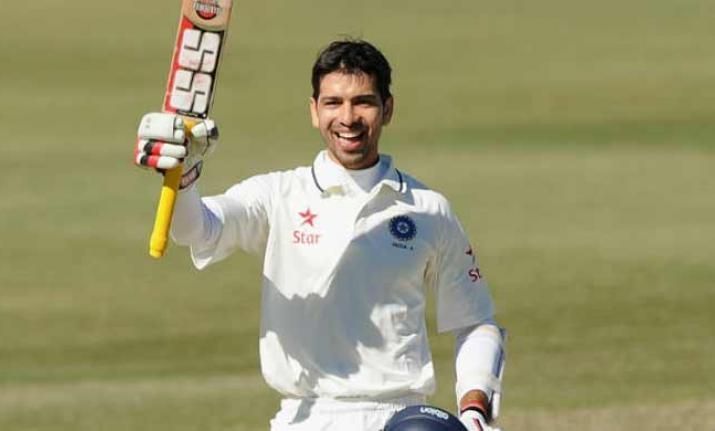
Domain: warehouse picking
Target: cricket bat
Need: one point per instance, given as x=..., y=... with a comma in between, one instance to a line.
x=190, y=90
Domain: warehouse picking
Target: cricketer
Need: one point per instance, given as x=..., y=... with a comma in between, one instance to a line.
x=351, y=246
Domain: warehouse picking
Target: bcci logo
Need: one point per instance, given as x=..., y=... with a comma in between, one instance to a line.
x=403, y=228
x=207, y=9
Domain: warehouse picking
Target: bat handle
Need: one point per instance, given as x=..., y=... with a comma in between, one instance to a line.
x=164, y=212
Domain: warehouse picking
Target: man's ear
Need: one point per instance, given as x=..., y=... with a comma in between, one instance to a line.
x=388, y=109
x=314, y=112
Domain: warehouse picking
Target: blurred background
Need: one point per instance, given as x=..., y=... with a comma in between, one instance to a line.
x=574, y=139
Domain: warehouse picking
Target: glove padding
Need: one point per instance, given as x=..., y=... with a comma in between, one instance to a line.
x=475, y=421
x=162, y=143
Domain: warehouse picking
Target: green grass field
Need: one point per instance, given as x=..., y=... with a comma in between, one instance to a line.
x=575, y=141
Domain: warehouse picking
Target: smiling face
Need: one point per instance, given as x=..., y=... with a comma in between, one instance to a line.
x=349, y=113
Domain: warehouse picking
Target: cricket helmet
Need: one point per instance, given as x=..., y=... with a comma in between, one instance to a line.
x=424, y=418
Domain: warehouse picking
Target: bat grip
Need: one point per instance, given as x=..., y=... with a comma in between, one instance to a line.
x=164, y=212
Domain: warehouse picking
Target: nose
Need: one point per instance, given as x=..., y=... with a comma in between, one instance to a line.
x=347, y=114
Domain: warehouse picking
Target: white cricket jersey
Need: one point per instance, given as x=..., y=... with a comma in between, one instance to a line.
x=345, y=277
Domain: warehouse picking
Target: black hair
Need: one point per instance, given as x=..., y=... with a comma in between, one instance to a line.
x=353, y=56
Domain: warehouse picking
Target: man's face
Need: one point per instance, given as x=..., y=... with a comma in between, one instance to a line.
x=350, y=113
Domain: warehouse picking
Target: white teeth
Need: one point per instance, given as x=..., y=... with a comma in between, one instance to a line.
x=348, y=135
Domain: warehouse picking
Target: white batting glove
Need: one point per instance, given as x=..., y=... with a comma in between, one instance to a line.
x=162, y=144
x=475, y=421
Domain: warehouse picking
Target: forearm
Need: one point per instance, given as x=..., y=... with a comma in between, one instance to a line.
x=193, y=223
x=479, y=362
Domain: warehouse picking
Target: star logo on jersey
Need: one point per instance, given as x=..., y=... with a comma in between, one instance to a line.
x=474, y=273
x=309, y=237
x=470, y=253
x=308, y=217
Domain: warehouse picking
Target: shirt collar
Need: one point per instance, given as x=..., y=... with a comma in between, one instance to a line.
x=330, y=179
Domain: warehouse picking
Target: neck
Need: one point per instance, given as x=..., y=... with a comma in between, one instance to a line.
x=365, y=178
x=348, y=168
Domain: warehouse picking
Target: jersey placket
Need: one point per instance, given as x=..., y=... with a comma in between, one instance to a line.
x=368, y=204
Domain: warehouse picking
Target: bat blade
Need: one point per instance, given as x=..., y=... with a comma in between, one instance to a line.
x=190, y=90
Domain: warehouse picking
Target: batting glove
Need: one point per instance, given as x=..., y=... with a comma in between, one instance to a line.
x=474, y=420
x=162, y=143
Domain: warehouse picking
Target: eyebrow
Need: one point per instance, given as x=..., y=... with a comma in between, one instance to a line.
x=369, y=97
x=366, y=97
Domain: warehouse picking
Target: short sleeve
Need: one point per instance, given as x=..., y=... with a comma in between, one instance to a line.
x=461, y=291
x=243, y=214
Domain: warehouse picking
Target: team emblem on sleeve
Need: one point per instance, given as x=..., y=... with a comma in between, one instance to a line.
x=403, y=228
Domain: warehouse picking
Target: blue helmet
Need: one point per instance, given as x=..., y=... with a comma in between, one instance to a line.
x=424, y=418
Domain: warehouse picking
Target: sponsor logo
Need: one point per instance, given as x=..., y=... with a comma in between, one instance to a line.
x=435, y=412
x=473, y=273
x=306, y=238
x=193, y=73
x=207, y=9
x=308, y=217
x=194, y=173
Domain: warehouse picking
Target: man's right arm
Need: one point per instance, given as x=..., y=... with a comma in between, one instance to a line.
x=194, y=223
x=214, y=226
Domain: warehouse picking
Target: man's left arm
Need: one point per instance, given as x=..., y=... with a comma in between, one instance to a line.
x=479, y=368
x=465, y=308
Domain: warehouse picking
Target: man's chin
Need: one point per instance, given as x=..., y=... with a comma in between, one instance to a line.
x=353, y=160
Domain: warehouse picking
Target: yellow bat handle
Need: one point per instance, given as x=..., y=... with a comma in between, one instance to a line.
x=164, y=212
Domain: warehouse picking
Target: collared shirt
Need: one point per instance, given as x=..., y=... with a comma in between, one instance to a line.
x=355, y=182
x=346, y=275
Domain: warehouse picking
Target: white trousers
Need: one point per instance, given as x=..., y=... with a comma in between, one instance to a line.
x=323, y=414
